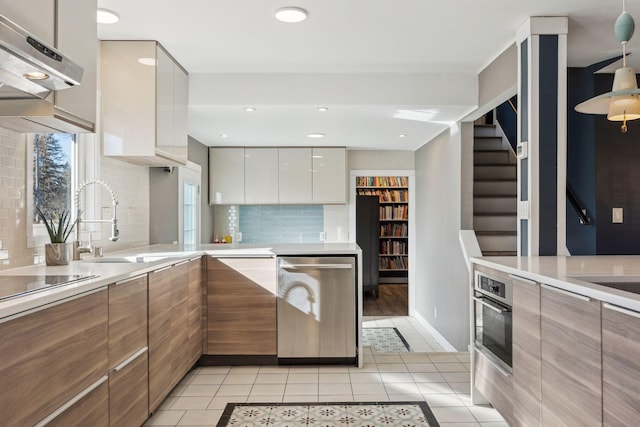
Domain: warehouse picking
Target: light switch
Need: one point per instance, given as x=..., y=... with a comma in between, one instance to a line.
x=616, y=216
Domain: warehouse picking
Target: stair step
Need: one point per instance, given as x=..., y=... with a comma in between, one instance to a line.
x=488, y=222
x=496, y=233
x=495, y=204
x=499, y=253
x=488, y=196
x=493, y=157
x=496, y=242
x=482, y=143
x=494, y=214
x=484, y=130
x=494, y=171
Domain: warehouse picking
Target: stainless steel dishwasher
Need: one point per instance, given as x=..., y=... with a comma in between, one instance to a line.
x=317, y=309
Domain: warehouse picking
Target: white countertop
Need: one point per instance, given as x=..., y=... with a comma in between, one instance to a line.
x=565, y=273
x=159, y=256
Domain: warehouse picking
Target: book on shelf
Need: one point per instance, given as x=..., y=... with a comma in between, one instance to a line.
x=394, y=263
x=393, y=212
x=382, y=181
x=393, y=230
x=386, y=196
x=393, y=247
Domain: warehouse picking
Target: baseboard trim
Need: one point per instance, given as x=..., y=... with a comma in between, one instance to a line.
x=434, y=333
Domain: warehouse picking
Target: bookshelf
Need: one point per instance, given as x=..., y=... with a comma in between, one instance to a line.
x=393, y=240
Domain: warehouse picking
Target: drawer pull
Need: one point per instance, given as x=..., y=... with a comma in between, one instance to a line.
x=71, y=402
x=131, y=279
x=130, y=359
x=567, y=293
x=621, y=310
x=493, y=307
x=522, y=279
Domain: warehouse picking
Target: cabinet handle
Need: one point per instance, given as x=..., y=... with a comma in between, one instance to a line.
x=567, y=293
x=130, y=279
x=162, y=269
x=130, y=359
x=621, y=310
x=315, y=266
x=71, y=402
x=522, y=279
x=493, y=307
x=180, y=263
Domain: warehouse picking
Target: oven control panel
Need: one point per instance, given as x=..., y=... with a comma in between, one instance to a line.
x=495, y=288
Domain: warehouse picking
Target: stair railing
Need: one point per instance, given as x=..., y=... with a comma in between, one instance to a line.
x=582, y=212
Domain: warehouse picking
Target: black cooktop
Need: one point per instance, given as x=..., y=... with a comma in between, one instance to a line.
x=14, y=286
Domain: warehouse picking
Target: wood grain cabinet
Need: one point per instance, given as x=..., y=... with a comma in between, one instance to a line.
x=194, y=302
x=91, y=409
x=51, y=355
x=168, y=320
x=128, y=355
x=241, y=306
x=571, y=359
x=527, y=369
x=494, y=384
x=620, y=366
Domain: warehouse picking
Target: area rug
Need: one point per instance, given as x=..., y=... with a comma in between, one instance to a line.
x=348, y=414
x=385, y=340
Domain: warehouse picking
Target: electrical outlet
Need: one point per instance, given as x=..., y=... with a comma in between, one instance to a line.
x=617, y=215
x=323, y=236
x=239, y=236
x=435, y=312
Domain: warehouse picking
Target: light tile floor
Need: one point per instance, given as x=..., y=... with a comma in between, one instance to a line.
x=439, y=378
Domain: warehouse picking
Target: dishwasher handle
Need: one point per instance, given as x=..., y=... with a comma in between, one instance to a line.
x=316, y=266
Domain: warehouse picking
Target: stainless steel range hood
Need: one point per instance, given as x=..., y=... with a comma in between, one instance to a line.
x=30, y=72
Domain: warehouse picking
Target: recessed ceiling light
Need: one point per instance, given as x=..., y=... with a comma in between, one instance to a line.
x=403, y=135
x=323, y=109
x=315, y=135
x=291, y=15
x=249, y=109
x=223, y=135
x=147, y=61
x=106, y=16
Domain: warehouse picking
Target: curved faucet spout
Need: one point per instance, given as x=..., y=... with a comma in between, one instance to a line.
x=115, y=233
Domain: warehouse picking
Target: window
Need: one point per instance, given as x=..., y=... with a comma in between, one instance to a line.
x=53, y=170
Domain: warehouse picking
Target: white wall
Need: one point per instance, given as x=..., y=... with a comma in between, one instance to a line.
x=441, y=273
x=381, y=159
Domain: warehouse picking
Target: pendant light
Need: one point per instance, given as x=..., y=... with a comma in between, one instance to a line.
x=623, y=102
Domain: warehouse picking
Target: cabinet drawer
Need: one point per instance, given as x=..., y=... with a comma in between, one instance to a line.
x=494, y=385
x=51, y=355
x=127, y=318
x=129, y=391
x=90, y=410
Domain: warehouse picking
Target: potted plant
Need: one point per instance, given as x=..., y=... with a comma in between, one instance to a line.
x=59, y=226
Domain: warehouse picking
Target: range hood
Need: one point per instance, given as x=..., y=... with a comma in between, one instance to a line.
x=30, y=72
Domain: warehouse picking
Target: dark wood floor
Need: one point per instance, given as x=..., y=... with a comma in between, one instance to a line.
x=393, y=301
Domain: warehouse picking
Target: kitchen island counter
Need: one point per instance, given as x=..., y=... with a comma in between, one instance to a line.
x=578, y=274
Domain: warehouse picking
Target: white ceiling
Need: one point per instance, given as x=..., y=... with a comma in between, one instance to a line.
x=426, y=40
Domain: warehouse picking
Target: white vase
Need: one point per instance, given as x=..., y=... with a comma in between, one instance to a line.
x=56, y=253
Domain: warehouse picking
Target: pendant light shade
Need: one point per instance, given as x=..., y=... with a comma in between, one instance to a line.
x=623, y=102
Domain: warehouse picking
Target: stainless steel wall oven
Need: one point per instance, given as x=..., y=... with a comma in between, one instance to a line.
x=493, y=319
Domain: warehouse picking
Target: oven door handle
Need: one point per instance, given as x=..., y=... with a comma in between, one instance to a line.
x=493, y=307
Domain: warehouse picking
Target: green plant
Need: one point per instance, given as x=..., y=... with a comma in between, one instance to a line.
x=59, y=226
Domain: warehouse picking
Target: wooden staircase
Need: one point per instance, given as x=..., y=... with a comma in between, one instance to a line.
x=494, y=192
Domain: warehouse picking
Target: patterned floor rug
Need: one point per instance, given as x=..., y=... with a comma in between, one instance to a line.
x=385, y=340
x=351, y=414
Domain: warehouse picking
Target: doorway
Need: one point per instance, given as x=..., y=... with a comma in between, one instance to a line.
x=394, y=233
x=189, y=202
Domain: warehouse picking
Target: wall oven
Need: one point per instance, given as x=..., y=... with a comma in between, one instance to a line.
x=493, y=319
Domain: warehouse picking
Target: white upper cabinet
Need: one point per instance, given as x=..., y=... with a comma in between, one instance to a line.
x=267, y=176
x=35, y=16
x=144, y=104
x=261, y=176
x=295, y=175
x=78, y=38
x=329, y=175
x=226, y=176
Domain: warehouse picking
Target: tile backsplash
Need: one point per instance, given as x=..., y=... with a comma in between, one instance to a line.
x=13, y=209
x=281, y=224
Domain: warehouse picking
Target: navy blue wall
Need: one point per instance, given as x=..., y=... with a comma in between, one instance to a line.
x=581, y=239
x=508, y=120
x=603, y=167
